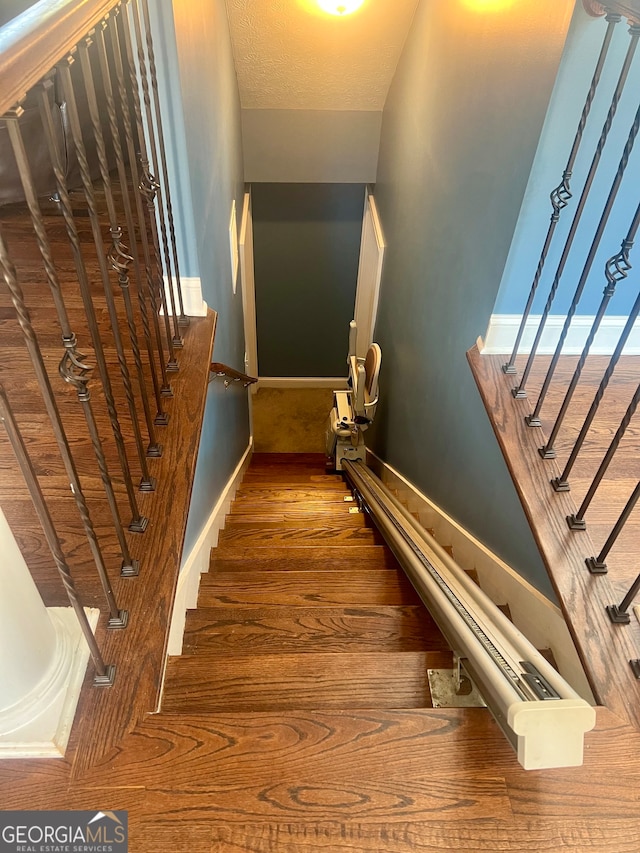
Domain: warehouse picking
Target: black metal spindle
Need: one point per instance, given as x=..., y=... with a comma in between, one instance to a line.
x=153, y=147
x=105, y=673
x=182, y=319
x=138, y=522
x=561, y=484
x=616, y=270
x=73, y=368
x=597, y=565
x=618, y=612
x=147, y=185
x=162, y=417
x=147, y=483
x=534, y=418
x=577, y=522
x=119, y=257
x=117, y=618
x=520, y=392
x=562, y=194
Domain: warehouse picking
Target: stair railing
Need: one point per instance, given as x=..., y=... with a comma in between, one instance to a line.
x=617, y=271
x=230, y=374
x=543, y=718
x=80, y=79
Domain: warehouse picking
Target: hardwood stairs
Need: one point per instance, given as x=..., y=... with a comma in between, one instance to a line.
x=304, y=607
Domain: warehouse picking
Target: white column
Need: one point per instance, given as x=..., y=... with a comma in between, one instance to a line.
x=43, y=658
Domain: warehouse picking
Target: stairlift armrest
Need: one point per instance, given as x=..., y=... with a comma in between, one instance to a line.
x=343, y=407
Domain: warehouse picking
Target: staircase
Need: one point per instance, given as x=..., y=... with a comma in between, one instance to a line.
x=304, y=607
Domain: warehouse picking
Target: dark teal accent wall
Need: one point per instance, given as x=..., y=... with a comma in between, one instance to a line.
x=459, y=134
x=306, y=249
x=213, y=157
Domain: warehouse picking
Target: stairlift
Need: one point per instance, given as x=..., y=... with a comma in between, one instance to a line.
x=354, y=410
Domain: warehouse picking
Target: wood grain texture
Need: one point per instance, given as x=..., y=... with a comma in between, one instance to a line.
x=270, y=682
x=298, y=558
x=275, y=629
x=604, y=649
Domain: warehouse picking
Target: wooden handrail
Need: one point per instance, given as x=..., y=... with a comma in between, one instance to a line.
x=217, y=368
x=629, y=8
x=32, y=43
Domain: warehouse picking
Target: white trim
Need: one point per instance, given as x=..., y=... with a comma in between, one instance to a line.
x=539, y=619
x=197, y=561
x=334, y=382
x=41, y=725
x=372, y=248
x=194, y=304
x=247, y=273
x=233, y=245
x=503, y=328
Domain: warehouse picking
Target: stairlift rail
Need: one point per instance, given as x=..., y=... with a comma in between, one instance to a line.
x=543, y=718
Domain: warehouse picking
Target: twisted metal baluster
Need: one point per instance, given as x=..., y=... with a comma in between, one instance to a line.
x=72, y=366
x=146, y=187
x=117, y=618
x=182, y=319
x=616, y=270
x=534, y=418
x=634, y=32
x=160, y=417
x=165, y=390
x=562, y=194
x=577, y=522
x=597, y=565
x=118, y=256
x=105, y=674
x=561, y=484
x=142, y=65
x=147, y=483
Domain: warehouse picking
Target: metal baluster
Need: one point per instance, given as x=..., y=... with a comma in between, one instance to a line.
x=634, y=31
x=138, y=522
x=118, y=255
x=577, y=522
x=618, y=612
x=561, y=195
x=105, y=674
x=73, y=368
x=616, y=270
x=162, y=417
x=146, y=187
x=597, y=565
x=142, y=65
x=147, y=482
x=534, y=418
x=560, y=484
x=117, y=618
x=182, y=319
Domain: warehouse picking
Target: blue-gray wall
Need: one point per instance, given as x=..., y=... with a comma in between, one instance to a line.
x=576, y=70
x=306, y=241
x=213, y=158
x=459, y=134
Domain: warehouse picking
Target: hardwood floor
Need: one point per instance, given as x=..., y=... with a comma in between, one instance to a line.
x=304, y=725
x=605, y=648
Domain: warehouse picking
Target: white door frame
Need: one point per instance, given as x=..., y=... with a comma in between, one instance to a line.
x=369, y=274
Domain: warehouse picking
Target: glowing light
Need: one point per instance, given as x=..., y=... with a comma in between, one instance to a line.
x=488, y=5
x=340, y=7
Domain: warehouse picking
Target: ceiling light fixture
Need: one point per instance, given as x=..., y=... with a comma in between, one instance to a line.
x=340, y=7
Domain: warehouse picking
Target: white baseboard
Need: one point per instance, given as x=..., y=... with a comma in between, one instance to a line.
x=197, y=561
x=194, y=304
x=539, y=619
x=335, y=383
x=503, y=328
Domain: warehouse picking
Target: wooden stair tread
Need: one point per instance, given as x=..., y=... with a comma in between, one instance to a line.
x=300, y=558
x=278, y=629
x=306, y=588
x=271, y=520
x=224, y=682
x=310, y=536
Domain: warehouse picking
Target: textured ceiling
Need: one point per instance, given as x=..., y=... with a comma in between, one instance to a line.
x=290, y=57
